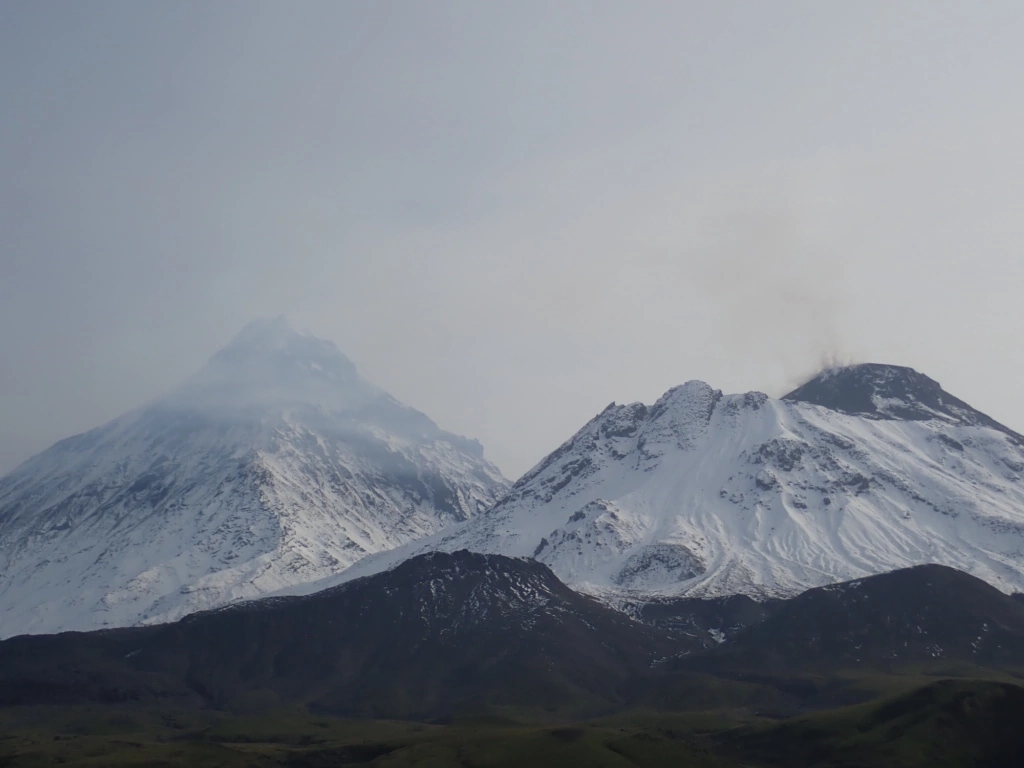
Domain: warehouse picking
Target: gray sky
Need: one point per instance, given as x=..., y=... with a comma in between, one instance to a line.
x=508, y=214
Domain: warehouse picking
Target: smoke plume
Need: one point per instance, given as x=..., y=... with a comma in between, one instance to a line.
x=777, y=296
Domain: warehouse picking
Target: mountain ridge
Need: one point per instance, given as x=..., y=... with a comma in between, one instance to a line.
x=444, y=634
x=923, y=613
x=707, y=495
x=441, y=632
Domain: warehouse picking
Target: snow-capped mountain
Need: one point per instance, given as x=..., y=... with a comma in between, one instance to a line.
x=276, y=464
x=862, y=470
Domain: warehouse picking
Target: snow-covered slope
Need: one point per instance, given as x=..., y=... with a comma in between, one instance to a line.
x=863, y=470
x=277, y=464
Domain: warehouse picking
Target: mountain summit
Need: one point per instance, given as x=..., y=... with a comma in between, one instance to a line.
x=268, y=364
x=275, y=465
x=880, y=391
x=860, y=471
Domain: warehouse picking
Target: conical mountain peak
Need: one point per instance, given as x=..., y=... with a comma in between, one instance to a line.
x=274, y=341
x=270, y=364
x=265, y=331
x=275, y=465
x=871, y=389
x=879, y=391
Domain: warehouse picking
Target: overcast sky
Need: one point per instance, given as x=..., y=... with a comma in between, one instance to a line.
x=508, y=214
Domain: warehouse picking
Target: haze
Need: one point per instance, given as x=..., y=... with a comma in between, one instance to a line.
x=508, y=215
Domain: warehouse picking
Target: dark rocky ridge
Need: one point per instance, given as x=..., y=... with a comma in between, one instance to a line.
x=716, y=620
x=462, y=633
x=920, y=614
x=441, y=633
x=882, y=391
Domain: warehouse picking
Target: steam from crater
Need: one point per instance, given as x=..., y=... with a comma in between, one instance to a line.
x=776, y=295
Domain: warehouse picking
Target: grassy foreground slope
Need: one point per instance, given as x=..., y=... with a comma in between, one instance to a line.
x=948, y=724
x=475, y=660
